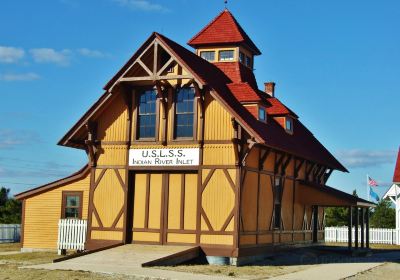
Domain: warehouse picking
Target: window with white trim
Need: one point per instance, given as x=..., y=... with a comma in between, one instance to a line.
x=208, y=55
x=226, y=55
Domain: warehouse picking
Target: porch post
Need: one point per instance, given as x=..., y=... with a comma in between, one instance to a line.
x=362, y=227
x=356, y=230
x=349, y=225
x=367, y=229
x=315, y=224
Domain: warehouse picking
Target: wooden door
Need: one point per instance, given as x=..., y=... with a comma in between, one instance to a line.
x=147, y=208
x=165, y=208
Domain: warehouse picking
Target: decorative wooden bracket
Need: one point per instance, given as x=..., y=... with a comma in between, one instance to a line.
x=298, y=167
x=91, y=128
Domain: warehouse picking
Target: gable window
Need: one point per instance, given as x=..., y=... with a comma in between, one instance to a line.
x=241, y=57
x=277, y=203
x=289, y=125
x=184, y=113
x=262, y=115
x=147, y=114
x=226, y=55
x=71, y=205
x=208, y=55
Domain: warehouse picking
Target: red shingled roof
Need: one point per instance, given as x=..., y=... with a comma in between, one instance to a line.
x=396, y=176
x=224, y=29
x=244, y=92
x=237, y=72
x=302, y=143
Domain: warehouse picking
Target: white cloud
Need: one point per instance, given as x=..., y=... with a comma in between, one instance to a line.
x=143, y=5
x=11, y=77
x=366, y=158
x=48, y=55
x=90, y=53
x=10, y=54
x=12, y=138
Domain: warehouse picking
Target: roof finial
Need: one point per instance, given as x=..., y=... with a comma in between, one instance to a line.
x=226, y=4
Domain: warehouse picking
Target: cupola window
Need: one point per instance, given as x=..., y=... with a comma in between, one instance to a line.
x=147, y=114
x=208, y=55
x=227, y=55
x=184, y=113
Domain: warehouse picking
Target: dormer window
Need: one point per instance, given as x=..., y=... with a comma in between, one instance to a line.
x=227, y=55
x=208, y=55
x=289, y=125
x=262, y=114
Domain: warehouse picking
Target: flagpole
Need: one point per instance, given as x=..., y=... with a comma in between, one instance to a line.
x=368, y=192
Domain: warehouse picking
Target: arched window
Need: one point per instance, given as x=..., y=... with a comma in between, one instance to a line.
x=184, y=113
x=146, y=124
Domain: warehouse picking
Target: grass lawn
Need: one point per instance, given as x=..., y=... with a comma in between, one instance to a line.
x=8, y=247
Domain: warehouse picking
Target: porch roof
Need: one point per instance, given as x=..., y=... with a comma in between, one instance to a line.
x=323, y=195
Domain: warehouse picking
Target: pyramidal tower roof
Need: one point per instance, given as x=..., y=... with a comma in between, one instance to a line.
x=396, y=176
x=224, y=29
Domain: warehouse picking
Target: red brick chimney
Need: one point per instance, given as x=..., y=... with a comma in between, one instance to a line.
x=270, y=88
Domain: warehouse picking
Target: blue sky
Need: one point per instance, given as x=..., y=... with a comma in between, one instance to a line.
x=336, y=64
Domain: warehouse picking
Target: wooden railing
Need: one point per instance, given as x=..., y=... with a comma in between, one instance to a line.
x=376, y=235
x=71, y=235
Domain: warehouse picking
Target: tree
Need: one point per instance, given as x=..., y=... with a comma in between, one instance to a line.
x=339, y=216
x=383, y=215
x=10, y=208
x=336, y=216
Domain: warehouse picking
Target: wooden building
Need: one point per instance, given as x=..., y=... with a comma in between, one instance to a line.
x=183, y=148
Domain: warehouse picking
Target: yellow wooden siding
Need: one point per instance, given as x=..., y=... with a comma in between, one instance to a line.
x=217, y=122
x=181, y=238
x=112, y=122
x=139, y=200
x=155, y=201
x=249, y=201
x=265, y=238
x=252, y=158
x=43, y=211
x=146, y=236
x=174, y=199
x=109, y=197
x=287, y=205
x=269, y=162
x=247, y=239
x=112, y=155
x=106, y=235
x=216, y=239
x=190, y=212
x=221, y=154
x=265, y=206
x=218, y=199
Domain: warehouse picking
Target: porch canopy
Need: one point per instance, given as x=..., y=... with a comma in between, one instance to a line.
x=325, y=196
x=319, y=195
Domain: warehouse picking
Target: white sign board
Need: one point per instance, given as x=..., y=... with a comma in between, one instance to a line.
x=164, y=157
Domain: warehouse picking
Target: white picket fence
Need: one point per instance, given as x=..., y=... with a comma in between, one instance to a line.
x=376, y=235
x=71, y=234
x=10, y=233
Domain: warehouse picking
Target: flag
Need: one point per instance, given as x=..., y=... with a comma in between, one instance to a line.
x=372, y=182
x=373, y=194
